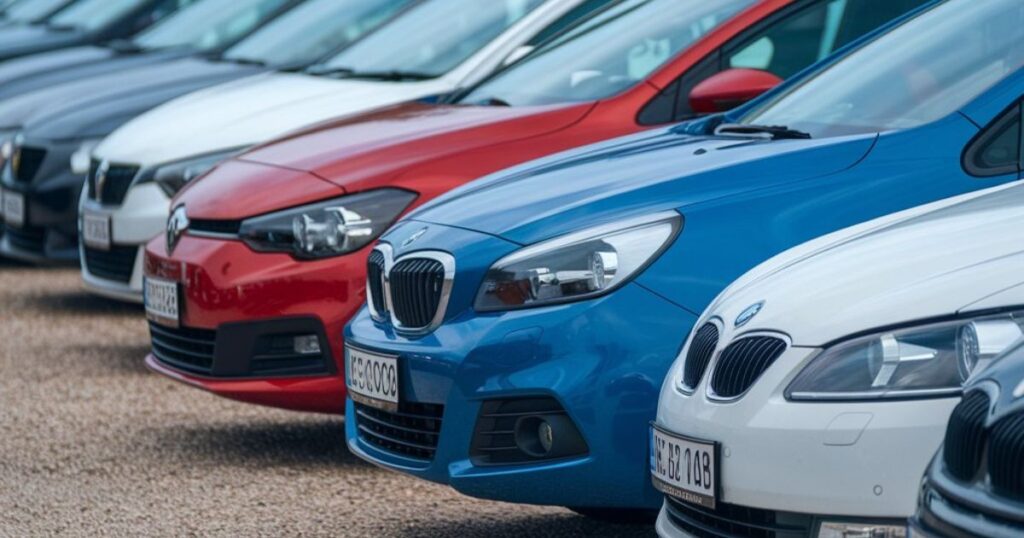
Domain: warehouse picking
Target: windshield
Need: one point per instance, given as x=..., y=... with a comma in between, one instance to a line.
x=312, y=30
x=432, y=38
x=33, y=10
x=925, y=69
x=94, y=14
x=209, y=24
x=606, y=54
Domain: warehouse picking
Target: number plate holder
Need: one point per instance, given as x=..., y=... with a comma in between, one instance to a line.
x=661, y=441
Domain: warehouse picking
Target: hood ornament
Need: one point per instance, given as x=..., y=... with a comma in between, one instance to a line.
x=748, y=314
x=414, y=237
x=177, y=223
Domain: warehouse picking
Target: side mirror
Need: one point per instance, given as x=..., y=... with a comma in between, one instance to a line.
x=729, y=89
x=518, y=54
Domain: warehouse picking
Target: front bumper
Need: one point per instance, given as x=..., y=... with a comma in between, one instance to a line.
x=227, y=289
x=51, y=191
x=846, y=460
x=117, y=272
x=603, y=360
x=952, y=509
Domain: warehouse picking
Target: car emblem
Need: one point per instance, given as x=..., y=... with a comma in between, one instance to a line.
x=176, y=226
x=748, y=314
x=412, y=238
x=100, y=181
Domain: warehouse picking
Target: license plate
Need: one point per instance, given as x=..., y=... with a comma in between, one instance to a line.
x=14, y=208
x=162, y=303
x=372, y=379
x=96, y=231
x=684, y=468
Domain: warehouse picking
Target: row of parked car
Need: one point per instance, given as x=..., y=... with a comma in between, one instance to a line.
x=485, y=233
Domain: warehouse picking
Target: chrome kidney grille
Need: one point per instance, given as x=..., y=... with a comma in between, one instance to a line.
x=411, y=292
x=742, y=363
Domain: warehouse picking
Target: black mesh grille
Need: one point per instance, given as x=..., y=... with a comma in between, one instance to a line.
x=374, y=275
x=28, y=239
x=416, y=286
x=965, y=436
x=184, y=348
x=702, y=347
x=743, y=362
x=115, y=264
x=1006, y=456
x=219, y=227
x=114, y=185
x=30, y=161
x=731, y=521
x=412, y=431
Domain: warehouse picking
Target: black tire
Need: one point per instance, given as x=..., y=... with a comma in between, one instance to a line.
x=619, y=516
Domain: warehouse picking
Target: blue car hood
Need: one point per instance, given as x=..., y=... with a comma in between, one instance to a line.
x=97, y=105
x=631, y=176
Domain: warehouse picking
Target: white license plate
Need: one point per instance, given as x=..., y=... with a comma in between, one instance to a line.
x=684, y=468
x=162, y=303
x=372, y=379
x=96, y=231
x=14, y=208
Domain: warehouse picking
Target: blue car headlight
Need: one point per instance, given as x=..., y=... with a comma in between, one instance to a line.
x=577, y=266
x=926, y=360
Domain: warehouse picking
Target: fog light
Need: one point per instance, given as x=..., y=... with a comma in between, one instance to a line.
x=308, y=344
x=546, y=435
x=831, y=529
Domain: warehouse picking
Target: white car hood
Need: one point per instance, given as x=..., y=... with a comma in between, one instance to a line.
x=248, y=111
x=960, y=254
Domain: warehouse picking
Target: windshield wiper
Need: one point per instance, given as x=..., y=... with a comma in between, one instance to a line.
x=126, y=46
x=774, y=132
x=322, y=71
x=60, y=27
x=390, y=75
x=243, y=61
x=493, y=101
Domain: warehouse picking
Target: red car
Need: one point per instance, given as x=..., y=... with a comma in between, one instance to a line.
x=265, y=258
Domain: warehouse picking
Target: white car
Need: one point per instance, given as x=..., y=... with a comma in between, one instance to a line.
x=432, y=48
x=817, y=387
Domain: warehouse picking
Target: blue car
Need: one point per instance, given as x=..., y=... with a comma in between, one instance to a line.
x=519, y=329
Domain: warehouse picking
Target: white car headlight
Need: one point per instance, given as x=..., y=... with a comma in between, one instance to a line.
x=576, y=266
x=927, y=360
x=81, y=159
x=174, y=176
x=327, y=229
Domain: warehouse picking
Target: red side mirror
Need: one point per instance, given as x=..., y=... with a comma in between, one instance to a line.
x=729, y=89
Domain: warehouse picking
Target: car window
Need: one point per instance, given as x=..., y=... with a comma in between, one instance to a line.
x=813, y=34
x=784, y=44
x=566, y=21
x=210, y=24
x=606, y=54
x=997, y=150
x=33, y=10
x=433, y=37
x=922, y=70
x=313, y=29
x=92, y=15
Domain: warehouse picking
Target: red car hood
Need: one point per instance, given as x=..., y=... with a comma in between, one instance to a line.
x=363, y=151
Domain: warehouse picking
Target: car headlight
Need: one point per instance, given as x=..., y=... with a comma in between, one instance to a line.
x=927, y=360
x=330, y=228
x=81, y=159
x=576, y=266
x=174, y=176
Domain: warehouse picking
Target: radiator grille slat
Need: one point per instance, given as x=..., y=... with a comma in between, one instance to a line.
x=116, y=264
x=743, y=362
x=702, y=347
x=965, y=436
x=416, y=291
x=1006, y=456
x=412, y=432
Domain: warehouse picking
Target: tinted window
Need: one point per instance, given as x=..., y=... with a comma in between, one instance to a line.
x=566, y=21
x=998, y=150
x=608, y=53
x=923, y=70
x=433, y=37
x=33, y=10
x=210, y=24
x=97, y=14
x=313, y=29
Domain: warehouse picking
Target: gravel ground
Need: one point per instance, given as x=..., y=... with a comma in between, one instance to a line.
x=91, y=443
